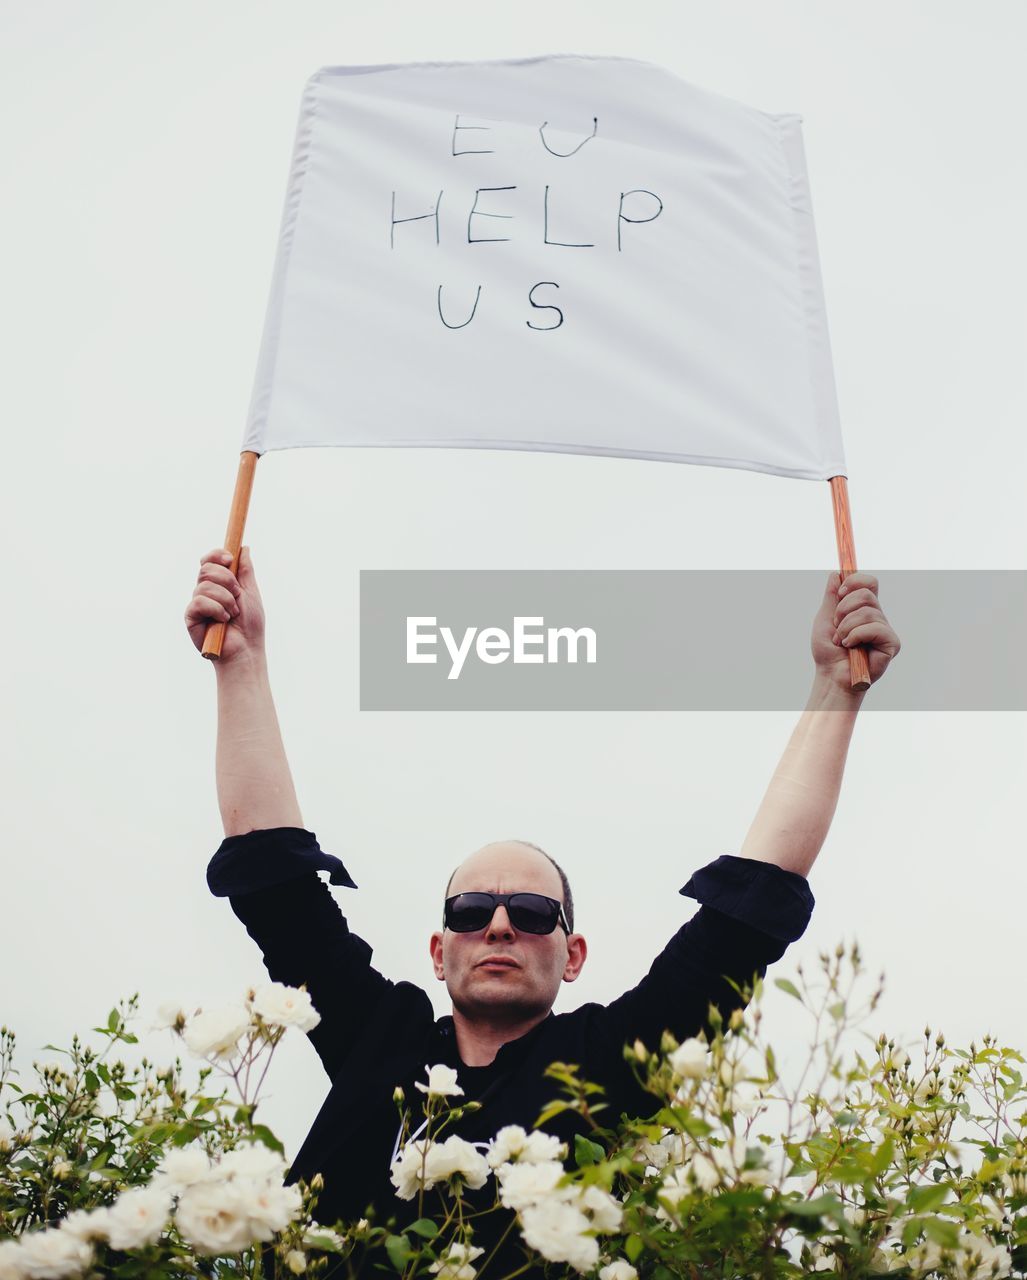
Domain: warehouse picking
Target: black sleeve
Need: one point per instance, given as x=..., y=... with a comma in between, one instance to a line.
x=750, y=912
x=270, y=879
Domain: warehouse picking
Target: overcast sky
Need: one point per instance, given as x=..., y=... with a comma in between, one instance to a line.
x=144, y=149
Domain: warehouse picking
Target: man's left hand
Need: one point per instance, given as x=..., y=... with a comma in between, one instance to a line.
x=849, y=618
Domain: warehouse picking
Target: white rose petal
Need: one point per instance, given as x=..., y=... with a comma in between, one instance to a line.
x=441, y=1082
x=455, y=1156
x=269, y=1206
x=511, y=1144
x=184, y=1167
x=618, y=1270
x=213, y=1218
x=87, y=1224
x=168, y=1014
x=522, y=1185
x=10, y=1253
x=604, y=1211
x=252, y=1161
x=216, y=1031
x=690, y=1060
x=409, y=1172
x=138, y=1217
x=555, y=1230
x=282, y=1006
x=704, y=1171
x=455, y=1263
x=51, y=1255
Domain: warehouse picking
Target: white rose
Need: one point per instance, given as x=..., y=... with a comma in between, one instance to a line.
x=138, y=1217
x=522, y=1185
x=170, y=1015
x=513, y=1144
x=216, y=1031
x=604, y=1211
x=317, y=1237
x=213, y=1218
x=10, y=1254
x=269, y=1206
x=690, y=1060
x=409, y=1172
x=51, y=1255
x=455, y=1263
x=184, y=1167
x=676, y=1147
x=455, y=1156
x=282, y=1006
x=441, y=1082
x=618, y=1270
x=252, y=1161
x=87, y=1224
x=556, y=1229
x=704, y=1172
x=674, y=1188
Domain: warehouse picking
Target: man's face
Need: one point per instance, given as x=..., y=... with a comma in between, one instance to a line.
x=500, y=974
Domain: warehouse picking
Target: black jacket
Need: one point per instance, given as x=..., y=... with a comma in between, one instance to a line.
x=375, y=1034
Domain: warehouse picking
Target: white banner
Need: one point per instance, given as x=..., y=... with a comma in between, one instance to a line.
x=572, y=254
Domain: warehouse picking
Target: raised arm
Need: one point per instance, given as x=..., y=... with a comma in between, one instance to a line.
x=255, y=788
x=793, y=821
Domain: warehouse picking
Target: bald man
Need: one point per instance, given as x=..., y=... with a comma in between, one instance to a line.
x=507, y=940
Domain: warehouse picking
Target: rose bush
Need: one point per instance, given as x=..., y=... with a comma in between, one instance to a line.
x=879, y=1163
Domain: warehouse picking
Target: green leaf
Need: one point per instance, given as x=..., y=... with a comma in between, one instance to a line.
x=927, y=1199
x=945, y=1234
x=554, y=1109
x=586, y=1152
x=398, y=1249
x=633, y=1246
x=263, y=1134
x=113, y=1020
x=788, y=987
x=424, y=1227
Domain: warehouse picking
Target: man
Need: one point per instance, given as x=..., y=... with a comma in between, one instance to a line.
x=508, y=940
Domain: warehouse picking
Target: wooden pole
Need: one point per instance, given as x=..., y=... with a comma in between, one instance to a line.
x=859, y=670
x=214, y=637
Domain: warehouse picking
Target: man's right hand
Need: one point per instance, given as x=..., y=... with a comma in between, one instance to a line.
x=221, y=596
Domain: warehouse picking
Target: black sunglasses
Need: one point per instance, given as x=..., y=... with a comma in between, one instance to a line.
x=528, y=912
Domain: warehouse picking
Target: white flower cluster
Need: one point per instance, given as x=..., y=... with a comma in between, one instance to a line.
x=215, y=1033
x=222, y=1207
x=688, y=1169
x=554, y=1216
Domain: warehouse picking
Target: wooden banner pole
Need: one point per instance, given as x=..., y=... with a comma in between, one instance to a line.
x=214, y=637
x=859, y=670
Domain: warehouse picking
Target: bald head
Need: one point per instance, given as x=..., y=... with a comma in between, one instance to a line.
x=511, y=866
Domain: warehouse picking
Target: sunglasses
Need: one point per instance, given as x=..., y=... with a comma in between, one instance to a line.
x=528, y=912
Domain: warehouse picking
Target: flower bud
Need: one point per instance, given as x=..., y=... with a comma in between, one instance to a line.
x=296, y=1262
x=398, y=1096
x=667, y=1043
x=61, y=1168
x=737, y=1018
x=317, y=1182
x=641, y=1052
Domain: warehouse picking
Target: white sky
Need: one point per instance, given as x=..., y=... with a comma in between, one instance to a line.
x=144, y=152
